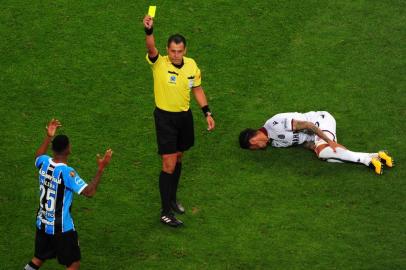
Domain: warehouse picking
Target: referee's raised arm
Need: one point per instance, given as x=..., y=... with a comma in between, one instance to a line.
x=149, y=38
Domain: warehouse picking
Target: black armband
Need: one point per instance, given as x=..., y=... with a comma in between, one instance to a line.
x=149, y=31
x=153, y=59
x=206, y=111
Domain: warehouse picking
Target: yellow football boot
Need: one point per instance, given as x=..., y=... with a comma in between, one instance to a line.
x=386, y=158
x=376, y=165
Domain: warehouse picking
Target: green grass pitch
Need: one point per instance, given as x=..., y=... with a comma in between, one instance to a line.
x=83, y=62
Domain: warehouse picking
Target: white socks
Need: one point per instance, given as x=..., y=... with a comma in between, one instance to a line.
x=344, y=155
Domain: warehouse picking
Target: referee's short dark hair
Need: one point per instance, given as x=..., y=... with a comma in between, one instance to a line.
x=245, y=137
x=177, y=38
x=60, y=143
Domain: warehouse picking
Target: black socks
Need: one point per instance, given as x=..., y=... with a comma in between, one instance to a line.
x=168, y=185
x=175, y=181
x=165, y=180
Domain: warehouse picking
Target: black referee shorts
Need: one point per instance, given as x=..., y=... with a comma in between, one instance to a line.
x=64, y=246
x=174, y=131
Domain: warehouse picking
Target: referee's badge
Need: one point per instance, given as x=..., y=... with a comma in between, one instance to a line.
x=191, y=83
x=172, y=78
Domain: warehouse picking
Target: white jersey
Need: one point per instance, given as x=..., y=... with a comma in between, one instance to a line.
x=280, y=131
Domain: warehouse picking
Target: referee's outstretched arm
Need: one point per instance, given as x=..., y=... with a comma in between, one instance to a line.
x=149, y=37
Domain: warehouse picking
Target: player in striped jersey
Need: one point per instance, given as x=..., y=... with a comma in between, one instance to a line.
x=56, y=235
x=314, y=130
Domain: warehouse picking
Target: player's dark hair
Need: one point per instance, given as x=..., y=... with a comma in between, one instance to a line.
x=177, y=38
x=245, y=137
x=60, y=143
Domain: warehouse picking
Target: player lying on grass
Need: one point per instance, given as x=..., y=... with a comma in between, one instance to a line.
x=315, y=131
x=56, y=235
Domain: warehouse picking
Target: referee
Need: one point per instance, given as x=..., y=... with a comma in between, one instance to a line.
x=174, y=77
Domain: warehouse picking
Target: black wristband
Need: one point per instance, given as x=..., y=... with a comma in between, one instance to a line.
x=206, y=111
x=149, y=31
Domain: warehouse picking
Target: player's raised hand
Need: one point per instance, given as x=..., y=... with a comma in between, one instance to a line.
x=210, y=123
x=102, y=162
x=148, y=22
x=52, y=126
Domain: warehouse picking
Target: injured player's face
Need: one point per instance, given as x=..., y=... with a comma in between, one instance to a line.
x=259, y=141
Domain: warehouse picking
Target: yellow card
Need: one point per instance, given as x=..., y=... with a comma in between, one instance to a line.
x=151, y=11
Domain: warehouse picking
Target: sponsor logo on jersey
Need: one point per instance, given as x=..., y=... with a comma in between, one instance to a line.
x=49, y=177
x=295, y=139
x=281, y=136
x=50, y=184
x=50, y=223
x=79, y=181
x=172, y=79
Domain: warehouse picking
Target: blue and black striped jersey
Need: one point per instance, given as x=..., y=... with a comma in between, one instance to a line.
x=57, y=182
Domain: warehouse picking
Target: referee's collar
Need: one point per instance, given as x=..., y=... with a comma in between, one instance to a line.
x=179, y=66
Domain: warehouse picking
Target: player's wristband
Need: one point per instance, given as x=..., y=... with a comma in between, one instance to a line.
x=206, y=111
x=149, y=31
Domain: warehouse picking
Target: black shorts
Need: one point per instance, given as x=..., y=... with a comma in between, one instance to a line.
x=174, y=131
x=63, y=246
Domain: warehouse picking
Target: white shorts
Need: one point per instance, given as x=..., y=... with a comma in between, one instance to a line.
x=326, y=122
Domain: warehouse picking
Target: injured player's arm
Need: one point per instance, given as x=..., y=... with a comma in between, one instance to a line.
x=309, y=126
